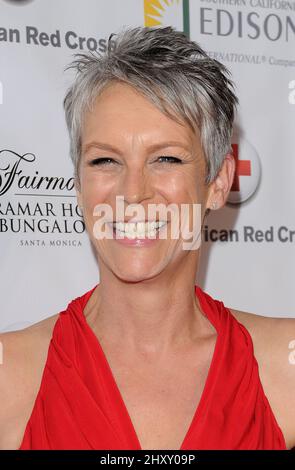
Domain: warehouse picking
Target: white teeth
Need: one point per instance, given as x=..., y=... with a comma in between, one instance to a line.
x=138, y=229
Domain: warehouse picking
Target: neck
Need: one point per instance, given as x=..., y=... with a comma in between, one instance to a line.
x=151, y=316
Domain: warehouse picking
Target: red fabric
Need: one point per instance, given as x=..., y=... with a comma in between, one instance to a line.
x=79, y=405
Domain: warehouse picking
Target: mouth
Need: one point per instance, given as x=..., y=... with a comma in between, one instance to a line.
x=137, y=230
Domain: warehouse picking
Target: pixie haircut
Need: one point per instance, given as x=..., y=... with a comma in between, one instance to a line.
x=171, y=71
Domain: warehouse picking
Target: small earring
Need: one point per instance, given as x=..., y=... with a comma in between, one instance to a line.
x=214, y=205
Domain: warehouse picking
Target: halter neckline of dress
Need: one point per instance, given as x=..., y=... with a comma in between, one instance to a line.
x=117, y=394
x=79, y=404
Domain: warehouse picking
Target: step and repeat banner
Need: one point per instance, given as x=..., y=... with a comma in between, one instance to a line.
x=248, y=253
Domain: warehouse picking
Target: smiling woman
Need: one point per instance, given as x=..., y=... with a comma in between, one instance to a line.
x=146, y=359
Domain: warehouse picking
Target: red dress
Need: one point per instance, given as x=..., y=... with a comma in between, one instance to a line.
x=79, y=405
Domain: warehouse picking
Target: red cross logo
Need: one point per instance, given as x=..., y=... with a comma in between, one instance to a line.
x=243, y=168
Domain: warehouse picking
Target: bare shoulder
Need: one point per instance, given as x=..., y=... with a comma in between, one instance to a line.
x=274, y=349
x=21, y=345
x=23, y=357
x=275, y=332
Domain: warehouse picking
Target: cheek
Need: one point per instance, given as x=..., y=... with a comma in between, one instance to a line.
x=184, y=187
x=95, y=188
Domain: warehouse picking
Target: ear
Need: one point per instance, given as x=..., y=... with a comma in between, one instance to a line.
x=221, y=186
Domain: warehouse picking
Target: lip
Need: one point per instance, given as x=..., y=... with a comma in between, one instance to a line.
x=137, y=242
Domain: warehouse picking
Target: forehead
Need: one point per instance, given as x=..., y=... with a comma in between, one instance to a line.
x=120, y=111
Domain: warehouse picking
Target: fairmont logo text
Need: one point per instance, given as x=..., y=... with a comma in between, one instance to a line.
x=12, y=175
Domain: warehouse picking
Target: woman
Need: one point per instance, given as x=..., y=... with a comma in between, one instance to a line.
x=146, y=359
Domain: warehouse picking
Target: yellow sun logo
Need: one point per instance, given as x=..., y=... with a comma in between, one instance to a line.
x=167, y=13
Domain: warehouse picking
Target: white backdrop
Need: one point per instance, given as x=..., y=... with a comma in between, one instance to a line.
x=46, y=258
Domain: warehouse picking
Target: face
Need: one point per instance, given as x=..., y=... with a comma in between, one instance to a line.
x=131, y=149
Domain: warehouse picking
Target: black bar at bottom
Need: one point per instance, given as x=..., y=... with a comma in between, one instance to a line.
x=136, y=459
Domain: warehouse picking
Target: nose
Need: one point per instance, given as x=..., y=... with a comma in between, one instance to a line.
x=135, y=186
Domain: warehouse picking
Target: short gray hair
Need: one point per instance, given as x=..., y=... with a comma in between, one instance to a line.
x=169, y=69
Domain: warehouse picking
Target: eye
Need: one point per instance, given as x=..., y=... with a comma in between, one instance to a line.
x=106, y=160
x=101, y=161
x=170, y=159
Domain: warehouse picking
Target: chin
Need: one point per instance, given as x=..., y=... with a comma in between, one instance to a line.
x=135, y=275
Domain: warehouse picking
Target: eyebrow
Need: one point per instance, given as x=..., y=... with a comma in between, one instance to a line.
x=151, y=148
